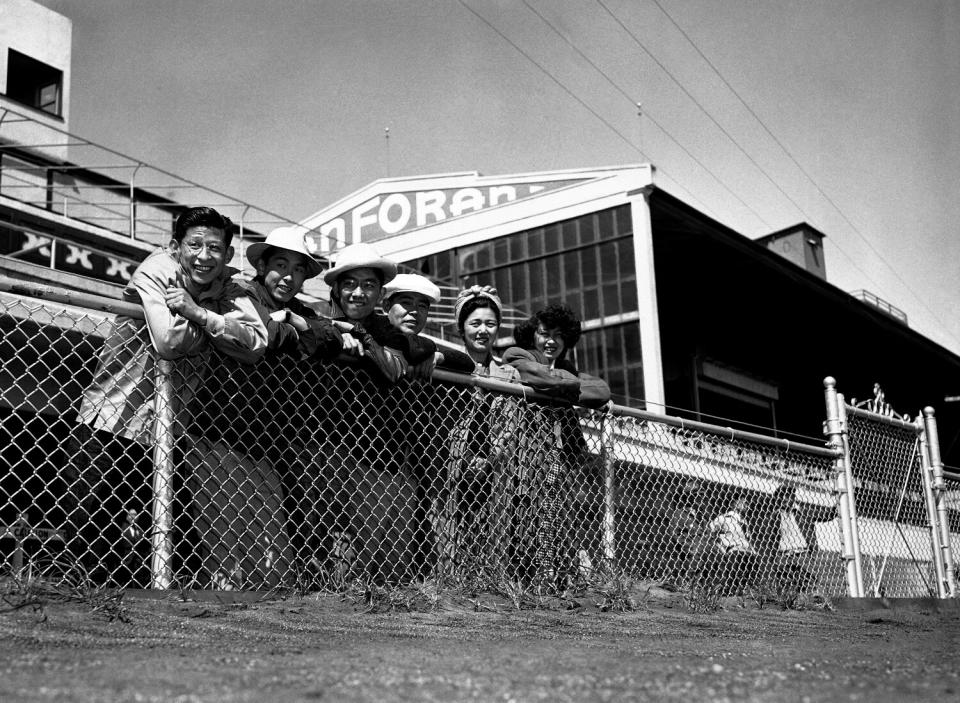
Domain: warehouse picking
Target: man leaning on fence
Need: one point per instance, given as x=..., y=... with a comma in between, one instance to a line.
x=253, y=470
x=369, y=490
x=189, y=305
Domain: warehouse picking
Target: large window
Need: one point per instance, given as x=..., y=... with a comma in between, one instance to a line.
x=585, y=262
x=34, y=83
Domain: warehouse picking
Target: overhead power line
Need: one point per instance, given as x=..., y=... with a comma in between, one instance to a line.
x=623, y=92
x=792, y=158
x=610, y=126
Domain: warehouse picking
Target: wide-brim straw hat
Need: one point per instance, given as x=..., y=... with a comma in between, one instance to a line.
x=412, y=283
x=360, y=256
x=289, y=238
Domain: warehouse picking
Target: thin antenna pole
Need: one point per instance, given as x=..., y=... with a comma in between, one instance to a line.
x=640, y=127
x=386, y=137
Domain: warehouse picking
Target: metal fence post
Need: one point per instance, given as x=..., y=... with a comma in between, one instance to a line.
x=926, y=475
x=161, y=572
x=835, y=429
x=942, y=518
x=609, y=493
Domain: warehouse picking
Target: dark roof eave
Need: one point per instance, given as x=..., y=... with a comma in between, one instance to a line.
x=831, y=295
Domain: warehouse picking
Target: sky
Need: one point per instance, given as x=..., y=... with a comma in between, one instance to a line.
x=761, y=113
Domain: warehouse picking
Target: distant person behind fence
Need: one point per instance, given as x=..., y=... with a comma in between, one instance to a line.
x=689, y=537
x=189, y=305
x=738, y=562
x=786, y=536
x=543, y=345
x=251, y=452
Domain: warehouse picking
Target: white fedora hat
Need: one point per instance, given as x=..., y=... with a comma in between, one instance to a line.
x=412, y=283
x=360, y=256
x=289, y=238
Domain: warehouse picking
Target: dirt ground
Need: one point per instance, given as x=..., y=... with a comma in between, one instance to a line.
x=336, y=648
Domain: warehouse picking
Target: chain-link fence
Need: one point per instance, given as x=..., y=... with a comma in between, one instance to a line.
x=311, y=475
x=711, y=508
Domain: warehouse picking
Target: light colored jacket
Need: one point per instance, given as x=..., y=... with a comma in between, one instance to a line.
x=120, y=399
x=731, y=533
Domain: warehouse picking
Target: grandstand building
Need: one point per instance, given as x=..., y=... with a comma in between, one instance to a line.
x=680, y=312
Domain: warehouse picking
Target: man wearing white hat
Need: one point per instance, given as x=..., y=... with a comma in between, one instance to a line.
x=283, y=262
x=407, y=300
x=356, y=286
x=368, y=490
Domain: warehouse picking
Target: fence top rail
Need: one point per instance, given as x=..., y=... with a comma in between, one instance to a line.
x=623, y=411
x=729, y=432
x=55, y=294
x=877, y=417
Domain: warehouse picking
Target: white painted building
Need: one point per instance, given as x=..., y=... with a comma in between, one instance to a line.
x=35, y=47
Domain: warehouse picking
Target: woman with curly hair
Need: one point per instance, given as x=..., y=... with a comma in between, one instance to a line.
x=540, y=355
x=555, y=448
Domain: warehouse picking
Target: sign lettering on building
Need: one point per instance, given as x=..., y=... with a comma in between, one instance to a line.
x=390, y=214
x=64, y=256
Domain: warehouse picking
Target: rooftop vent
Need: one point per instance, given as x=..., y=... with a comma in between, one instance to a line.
x=800, y=244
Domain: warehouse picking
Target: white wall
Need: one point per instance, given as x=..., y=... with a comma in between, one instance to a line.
x=46, y=36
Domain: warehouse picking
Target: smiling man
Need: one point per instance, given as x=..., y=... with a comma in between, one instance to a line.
x=356, y=286
x=189, y=305
x=283, y=262
x=407, y=300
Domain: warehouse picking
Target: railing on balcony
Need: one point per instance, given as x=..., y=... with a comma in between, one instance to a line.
x=880, y=304
x=49, y=169
x=102, y=188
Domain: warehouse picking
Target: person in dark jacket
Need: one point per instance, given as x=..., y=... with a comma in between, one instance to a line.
x=252, y=464
x=546, y=516
x=370, y=491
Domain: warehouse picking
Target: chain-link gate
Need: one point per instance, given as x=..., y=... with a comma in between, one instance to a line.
x=312, y=475
x=891, y=491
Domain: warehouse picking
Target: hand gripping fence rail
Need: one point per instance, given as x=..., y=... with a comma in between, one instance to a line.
x=305, y=475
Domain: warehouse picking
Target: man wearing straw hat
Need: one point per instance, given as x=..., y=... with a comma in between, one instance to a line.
x=369, y=490
x=356, y=286
x=283, y=263
x=243, y=457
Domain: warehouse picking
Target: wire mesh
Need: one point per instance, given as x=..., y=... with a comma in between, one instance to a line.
x=894, y=526
x=708, y=511
x=304, y=474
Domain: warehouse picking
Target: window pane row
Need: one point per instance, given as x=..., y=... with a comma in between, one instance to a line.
x=558, y=237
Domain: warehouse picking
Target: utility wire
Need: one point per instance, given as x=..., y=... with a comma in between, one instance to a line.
x=645, y=112
x=699, y=105
x=790, y=155
x=579, y=100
